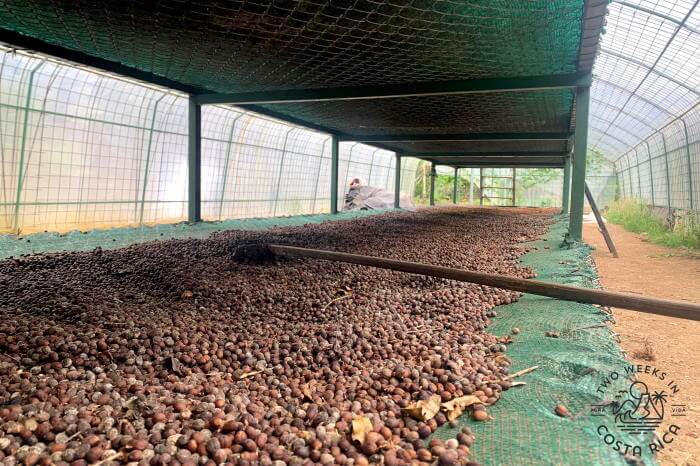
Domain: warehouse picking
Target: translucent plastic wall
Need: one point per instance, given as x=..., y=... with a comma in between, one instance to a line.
x=664, y=169
x=645, y=100
x=83, y=150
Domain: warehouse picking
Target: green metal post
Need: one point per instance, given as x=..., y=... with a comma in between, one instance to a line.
x=481, y=186
x=690, y=166
x=651, y=174
x=397, y=182
x=668, y=174
x=639, y=176
x=148, y=158
x=23, y=146
x=334, y=174
x=454, y=187
x=194, y=159
x=471, y=186
x=432, y=183
x=565, y=195
x=578, y=180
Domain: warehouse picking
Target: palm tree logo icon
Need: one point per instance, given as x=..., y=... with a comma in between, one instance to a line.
x=641, y=411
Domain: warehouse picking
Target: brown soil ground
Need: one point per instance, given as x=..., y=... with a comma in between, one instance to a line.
x=662, y=272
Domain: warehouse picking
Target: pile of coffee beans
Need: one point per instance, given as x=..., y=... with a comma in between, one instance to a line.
x=174, y=353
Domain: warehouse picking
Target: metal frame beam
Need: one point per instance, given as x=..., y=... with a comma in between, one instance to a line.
x=433, y=175
x=397, y=182
x=391, y=91
x=566, y=186
x=466, y=137
x=497, y=164
x=500, y=160
x=30, y=44
x=194, y=162
x=454, y=186
x=490, y=155
x=334, y=174
x=578, y=181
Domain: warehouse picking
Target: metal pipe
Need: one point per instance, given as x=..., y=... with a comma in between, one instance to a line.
x=194, y=160
x=433, y=175
x=679, y=309
x=454, y=187
x=334, y=174
x=397, y=182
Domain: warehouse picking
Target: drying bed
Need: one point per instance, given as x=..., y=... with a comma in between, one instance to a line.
x=171, y=352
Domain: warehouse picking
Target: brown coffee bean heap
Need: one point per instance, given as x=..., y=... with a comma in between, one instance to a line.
x=173, y=353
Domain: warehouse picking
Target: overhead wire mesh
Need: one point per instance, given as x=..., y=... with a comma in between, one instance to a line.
x=82, y=150
x=645, y=100
x=245, y=45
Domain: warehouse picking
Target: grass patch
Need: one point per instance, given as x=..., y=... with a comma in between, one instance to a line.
x=638, y=218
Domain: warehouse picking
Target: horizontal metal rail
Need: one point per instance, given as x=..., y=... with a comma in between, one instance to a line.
x=665, y=307
x=389, y=91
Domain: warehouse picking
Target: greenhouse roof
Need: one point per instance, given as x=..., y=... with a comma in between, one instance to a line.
x=647, y=74
x=438, y=79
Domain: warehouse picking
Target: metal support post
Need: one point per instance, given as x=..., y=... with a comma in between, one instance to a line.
x=481, y=187
x=668, y=177
x=471, y=186
x=690, y=166
x=433, y=175
x=578, y=180
x=454, y=187
x=397, y=182
x=651, y=174
x=513, y=186
x=334, y=174
x=194, y=158
x=567, y=184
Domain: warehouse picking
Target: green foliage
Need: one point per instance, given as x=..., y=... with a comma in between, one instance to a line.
x=639, y=218
x=443, y=186
x=534, y=176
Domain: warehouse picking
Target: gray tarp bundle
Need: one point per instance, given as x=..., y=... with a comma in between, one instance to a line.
x=368, y=198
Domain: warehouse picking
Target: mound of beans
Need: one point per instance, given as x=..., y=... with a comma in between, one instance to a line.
x=173, y=353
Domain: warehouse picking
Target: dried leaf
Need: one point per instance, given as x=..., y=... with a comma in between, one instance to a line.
x=424, y=410
x=454, y=408
x=361, y=426
x=502, y=360
x=249, y=374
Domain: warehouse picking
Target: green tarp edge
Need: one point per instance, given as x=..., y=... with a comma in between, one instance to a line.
x=525, y=429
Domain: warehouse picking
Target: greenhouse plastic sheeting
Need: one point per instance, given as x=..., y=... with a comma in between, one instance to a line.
x=525, y=429
x=84, y=150
x=645, y=101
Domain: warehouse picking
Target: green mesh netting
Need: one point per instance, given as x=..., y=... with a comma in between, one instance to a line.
x=244, y=45
x=525, y=430
x=37, y=243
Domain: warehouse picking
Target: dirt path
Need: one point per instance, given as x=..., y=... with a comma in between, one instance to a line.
x=674, y=343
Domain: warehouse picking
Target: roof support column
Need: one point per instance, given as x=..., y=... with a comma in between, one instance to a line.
x=334, y=174
x=567, y=184
x=454, y=187
x=194, y=161
x=578, y=181
x=433, y=175
x=397, y=182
